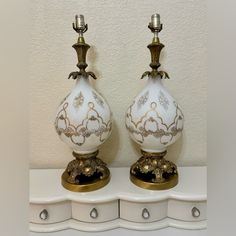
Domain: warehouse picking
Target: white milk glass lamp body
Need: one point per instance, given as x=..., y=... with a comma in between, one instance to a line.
x=83, y=118
x=154, y=120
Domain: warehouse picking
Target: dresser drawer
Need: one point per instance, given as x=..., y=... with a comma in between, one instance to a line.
x=187, y=211
x=143, y=212
x=97, y=212
x=50, y=213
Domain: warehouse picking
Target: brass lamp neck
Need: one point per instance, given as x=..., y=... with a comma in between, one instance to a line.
x=155, y=48
x=81, y=48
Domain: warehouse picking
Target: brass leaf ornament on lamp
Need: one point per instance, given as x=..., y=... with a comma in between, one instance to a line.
x=154, y=121
x=84, y=122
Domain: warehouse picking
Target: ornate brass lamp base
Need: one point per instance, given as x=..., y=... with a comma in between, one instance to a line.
x=85, y=173
x=152, y=171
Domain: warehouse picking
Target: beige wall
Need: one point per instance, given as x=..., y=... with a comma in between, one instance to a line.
x=118, y=36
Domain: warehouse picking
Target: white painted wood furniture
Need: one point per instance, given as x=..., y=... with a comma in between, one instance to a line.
x=119, y=204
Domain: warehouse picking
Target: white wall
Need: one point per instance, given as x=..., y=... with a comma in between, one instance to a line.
x=118, y=36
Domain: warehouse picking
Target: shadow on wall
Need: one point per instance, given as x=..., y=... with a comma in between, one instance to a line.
x=108, y=150
x=174, y=150
x=136, y=148
x=91, y=61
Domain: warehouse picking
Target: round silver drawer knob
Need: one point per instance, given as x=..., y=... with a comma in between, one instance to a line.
x=195, y=212
x=94, y=213
x=43, y=214
x=145, y=214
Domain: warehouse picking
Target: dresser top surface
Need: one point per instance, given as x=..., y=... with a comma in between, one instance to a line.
x=45, y=187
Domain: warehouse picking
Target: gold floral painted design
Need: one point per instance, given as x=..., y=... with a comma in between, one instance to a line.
x=151, y=123
x=78, y=100
x=98, y=99
x=143, y=99
x=164, y=102
x=92, y=124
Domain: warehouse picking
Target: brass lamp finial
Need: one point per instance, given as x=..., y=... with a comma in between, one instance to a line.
x=155, y=48
x=81, y=48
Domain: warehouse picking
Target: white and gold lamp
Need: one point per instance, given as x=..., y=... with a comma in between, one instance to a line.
x=154, y=121
x=84, y=122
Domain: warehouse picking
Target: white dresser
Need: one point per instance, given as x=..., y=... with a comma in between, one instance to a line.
x=119, y=204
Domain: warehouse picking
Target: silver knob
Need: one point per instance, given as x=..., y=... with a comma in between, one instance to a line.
x=145, y=214
x=195, y=212
x=43, y=214
x=94, y=213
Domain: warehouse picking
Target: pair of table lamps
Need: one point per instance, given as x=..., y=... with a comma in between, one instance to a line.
x=84, y=122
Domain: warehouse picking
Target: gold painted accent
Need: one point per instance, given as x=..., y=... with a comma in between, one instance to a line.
x=78, y=100
x=140, y=128
x=152, y=171
x=85, y=173
x=98, y=99
x=143, y=99
x=163, y=101
x=82, y=131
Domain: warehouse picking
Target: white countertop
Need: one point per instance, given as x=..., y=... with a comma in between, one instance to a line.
x=45, y=187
